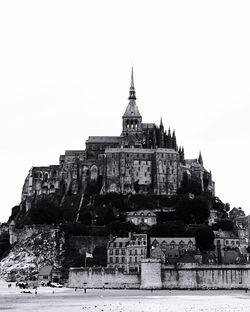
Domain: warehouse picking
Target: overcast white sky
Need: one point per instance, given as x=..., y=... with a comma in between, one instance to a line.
x=65, y=74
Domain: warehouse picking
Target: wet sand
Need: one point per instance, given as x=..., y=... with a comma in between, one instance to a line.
x=68, y=300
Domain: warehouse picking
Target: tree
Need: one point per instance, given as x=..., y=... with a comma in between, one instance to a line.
x=167, y=229
x=204, y=237
x=190, y=185
x=45, y=212
x=224, y=224
x=121, y=228
x=192, y=210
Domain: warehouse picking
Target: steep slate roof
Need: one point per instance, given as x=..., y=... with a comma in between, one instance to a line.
x=132, y=110
x=168, y=240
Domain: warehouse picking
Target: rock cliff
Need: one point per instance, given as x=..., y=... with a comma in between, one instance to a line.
x=30, y=253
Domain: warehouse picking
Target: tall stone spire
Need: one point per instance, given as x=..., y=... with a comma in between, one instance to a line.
x=131, y=119
x=132, y=87
x=161, y=124
x=200, y=160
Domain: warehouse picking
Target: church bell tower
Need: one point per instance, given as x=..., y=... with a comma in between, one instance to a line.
x=132, y=120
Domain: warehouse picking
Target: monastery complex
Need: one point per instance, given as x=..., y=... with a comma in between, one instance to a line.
x=143, y=159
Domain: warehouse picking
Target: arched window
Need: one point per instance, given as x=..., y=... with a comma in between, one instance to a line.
x=172, y=244
x=46, y=177
x=93, y=172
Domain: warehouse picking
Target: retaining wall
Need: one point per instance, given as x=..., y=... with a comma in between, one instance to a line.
x=102, y=278
x=153, y=275
x=188, y=276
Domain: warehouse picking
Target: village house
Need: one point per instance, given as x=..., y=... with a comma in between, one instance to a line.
x=170, y=249
x=45, y=274
x=48, y=274
x=229, y=248
x=126, y=252
x=142, y=218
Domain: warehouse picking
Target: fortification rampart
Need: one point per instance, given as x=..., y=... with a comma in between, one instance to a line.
x=102, y=278
x=194, y=276
x=155, y=276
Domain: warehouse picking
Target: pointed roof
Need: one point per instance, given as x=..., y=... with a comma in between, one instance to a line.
x=161, y=124
x=200, y=160
x=132, y=87
x=132, y=109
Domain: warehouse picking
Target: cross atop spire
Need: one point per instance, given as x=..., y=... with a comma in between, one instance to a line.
x=132, y=87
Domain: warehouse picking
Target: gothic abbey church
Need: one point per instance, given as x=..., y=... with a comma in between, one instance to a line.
x=143, y=159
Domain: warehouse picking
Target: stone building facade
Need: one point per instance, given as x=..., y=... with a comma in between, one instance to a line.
x=127, y=252
x=170, y=249
x=230, y=248
x=142, y=217
x=145, y=158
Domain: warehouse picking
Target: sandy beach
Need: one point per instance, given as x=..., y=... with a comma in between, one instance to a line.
x=68, y=300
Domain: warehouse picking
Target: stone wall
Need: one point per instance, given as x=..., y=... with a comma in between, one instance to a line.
x=155, y=276
x=194, y=276
x=102, y=278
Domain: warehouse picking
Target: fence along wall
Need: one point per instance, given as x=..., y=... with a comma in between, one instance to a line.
x=102, y=277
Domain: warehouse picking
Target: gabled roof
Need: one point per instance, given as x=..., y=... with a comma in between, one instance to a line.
x=46, y=270
x=139, y=213
x=169, y=240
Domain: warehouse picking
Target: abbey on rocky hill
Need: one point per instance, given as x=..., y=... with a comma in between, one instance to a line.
x=143, y=159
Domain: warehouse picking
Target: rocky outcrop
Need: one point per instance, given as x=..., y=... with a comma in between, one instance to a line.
x=28, y=255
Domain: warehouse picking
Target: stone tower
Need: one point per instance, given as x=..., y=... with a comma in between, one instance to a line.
x=132, y=120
